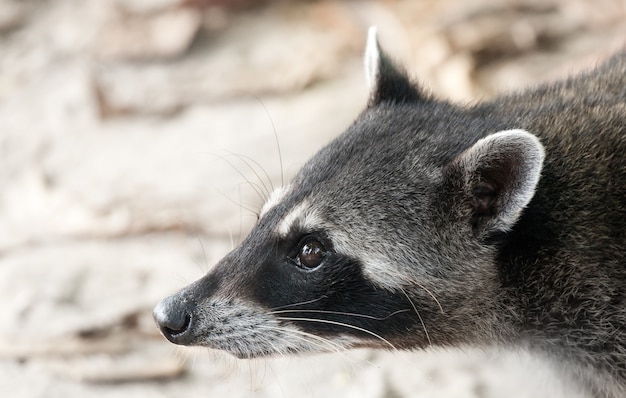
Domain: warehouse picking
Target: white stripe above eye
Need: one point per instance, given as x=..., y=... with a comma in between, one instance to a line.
x=275, y=197
x=377, y=265
x=301, y=215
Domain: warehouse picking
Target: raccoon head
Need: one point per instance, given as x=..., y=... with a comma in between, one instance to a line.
x=383, y=239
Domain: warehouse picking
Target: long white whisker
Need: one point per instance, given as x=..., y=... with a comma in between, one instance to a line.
x=239, y=204
x=429, y=293
x=280, y=386
x=280, y=155
x=334, y=347
x=181, y=356
x=232, y=238
x=346, y=325
x=300, y=303
x=255, y=187
x=247, y=160
x=206, y=261
x=240, y=218
x=419, y=316
x=194, y=360
x=322, y=343
x=275, y=349
x=340, y=313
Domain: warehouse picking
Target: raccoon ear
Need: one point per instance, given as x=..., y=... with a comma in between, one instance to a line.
x=497, y=176
x=386, y=81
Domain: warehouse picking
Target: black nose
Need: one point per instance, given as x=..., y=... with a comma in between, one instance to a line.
x=173, y=316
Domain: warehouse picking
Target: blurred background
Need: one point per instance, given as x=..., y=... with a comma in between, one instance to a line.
x=138, y=138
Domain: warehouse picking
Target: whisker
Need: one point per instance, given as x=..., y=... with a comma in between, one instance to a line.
x=240, y=220
x=275, y=349
x=253, y=210
x=346, y=325
x=350, y=364
x=239, y=204
x=247, y=160
x=250, y=376
x=341, y=313
x=280, y=386
x=300, y=303
x=181, y=356
x=194, y=356
x=412, y=280
x=324, y=344
x=280, y=156
x=255, y=187
x=206, y=261
x=225, y=362
x=232, y=238
x=419, y=316
x=181, y=278
x=192, y=229
x=329, y=344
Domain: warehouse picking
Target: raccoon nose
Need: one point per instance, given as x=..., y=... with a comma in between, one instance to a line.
x=173, y=316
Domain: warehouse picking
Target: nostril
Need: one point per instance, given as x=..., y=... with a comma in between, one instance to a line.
x=177, y=330
x=174, y=318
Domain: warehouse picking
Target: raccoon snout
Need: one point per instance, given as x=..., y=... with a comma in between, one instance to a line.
x=173, y=316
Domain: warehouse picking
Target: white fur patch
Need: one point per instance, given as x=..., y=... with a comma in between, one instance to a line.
x=376, y=264
x=302, y=215
x=277, y=195
x=384, y=274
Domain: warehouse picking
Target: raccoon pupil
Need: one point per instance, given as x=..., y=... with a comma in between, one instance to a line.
x=311, y=254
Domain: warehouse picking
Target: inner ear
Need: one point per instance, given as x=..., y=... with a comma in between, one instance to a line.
x=387, y=81
x=497, y=176
x=484, y=202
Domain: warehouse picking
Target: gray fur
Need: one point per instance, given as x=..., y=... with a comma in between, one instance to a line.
x=502, y=224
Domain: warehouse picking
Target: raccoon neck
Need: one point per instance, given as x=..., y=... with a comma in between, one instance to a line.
x=558, y=299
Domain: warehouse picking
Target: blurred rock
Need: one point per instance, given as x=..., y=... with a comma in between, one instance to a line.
x=489, y=46
x=94, y=290
x=120, y=369
x=271, y=51
x=506, y=29
x=232, y=4
x=101, y=216
x=146, y=6
x=12, y=15
x=155, y=36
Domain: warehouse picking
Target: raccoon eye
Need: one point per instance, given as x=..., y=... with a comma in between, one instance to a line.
x=311, y=254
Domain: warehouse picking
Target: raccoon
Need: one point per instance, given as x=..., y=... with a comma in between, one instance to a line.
x=428, y=223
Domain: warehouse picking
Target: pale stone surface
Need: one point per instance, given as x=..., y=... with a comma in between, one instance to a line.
x=12, y=15
x=157, y=36
x=122, y=181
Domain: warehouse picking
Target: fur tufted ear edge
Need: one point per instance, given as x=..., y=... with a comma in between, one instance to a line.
x=498, y=176
x=372, y=57
x=387, y=82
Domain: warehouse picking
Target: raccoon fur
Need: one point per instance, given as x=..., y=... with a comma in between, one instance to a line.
x=428, y=223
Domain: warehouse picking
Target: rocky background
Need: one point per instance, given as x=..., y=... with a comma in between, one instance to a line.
x=138, y=138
